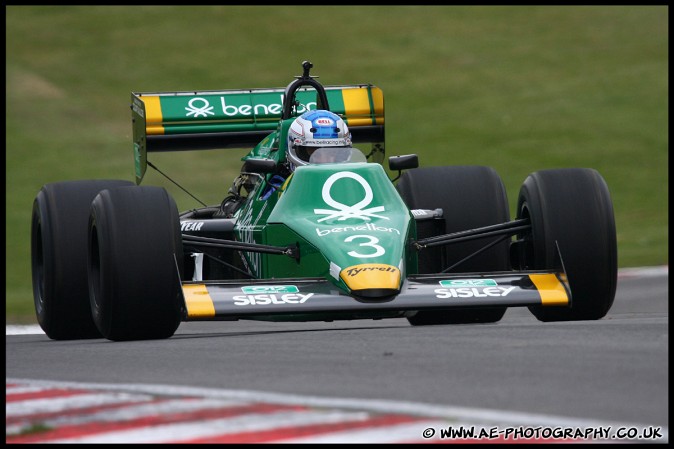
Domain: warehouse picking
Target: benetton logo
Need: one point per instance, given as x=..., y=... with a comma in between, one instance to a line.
x=266, y=289
x=469, y=283
x=344, y=211
x=201, y=107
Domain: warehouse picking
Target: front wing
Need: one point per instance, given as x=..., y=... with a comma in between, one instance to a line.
x=218, y=300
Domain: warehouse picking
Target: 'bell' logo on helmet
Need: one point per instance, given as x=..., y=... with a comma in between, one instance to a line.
x=315, y=129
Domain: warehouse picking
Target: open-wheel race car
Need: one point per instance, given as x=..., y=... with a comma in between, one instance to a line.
x=322, y=237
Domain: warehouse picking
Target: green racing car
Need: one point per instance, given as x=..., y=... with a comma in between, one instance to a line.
x=312, y=233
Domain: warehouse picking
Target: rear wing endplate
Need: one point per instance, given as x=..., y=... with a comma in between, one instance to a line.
x=183, y=121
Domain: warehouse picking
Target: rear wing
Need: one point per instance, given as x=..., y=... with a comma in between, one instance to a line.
x=184, y=121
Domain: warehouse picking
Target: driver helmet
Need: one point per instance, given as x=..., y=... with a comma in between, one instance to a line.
x=312, y=130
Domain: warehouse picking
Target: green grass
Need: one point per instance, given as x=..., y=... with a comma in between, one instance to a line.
x=516, y=88
x=34, y=428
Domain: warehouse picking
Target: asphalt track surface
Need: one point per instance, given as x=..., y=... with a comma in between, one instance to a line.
x=614, y=370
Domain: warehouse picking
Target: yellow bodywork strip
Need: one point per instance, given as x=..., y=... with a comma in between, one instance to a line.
x=371, y=276
x=153, y=115
x=198, y=301
x=551, y=290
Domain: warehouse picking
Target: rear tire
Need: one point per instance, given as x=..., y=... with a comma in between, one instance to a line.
x=135, y=257
x=59, y=257
x=573, y=207
x=470, y=197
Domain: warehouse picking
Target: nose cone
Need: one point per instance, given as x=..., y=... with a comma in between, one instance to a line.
x=372, y=280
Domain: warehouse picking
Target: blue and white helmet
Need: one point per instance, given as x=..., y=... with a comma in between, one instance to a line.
x=315, y=129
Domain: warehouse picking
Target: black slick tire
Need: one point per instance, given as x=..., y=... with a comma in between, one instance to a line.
x=59, y=257
x=135, y=256
x=470, y=197
x=571, y=207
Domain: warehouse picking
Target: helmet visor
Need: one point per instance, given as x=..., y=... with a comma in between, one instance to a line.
x=335, y=155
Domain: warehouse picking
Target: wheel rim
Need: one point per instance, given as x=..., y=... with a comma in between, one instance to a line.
x=525, y=245
x=94, y=271
x=38, y=266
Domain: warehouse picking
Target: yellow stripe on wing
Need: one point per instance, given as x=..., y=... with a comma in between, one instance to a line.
x=378, y=100
x=551, y=290
x=359, y=107
x=153, y=115
x=198, y=301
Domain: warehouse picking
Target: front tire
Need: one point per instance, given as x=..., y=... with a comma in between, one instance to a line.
x=135, y=257
x=571, y=206
x=470, y=197
x=59, y=257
